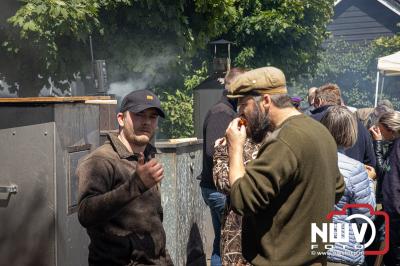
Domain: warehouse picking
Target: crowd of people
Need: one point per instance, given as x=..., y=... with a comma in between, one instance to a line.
x=271, y=169
x=278, y=172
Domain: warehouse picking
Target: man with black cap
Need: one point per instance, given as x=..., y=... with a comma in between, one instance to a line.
x=119, y=198
x=292, y=182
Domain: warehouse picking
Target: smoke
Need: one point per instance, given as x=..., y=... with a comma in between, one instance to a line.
x=152, y=73
x=51, y=89
x=122, y=88
x=5, y=92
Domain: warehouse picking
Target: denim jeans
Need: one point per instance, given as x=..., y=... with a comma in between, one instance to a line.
x=216, y=201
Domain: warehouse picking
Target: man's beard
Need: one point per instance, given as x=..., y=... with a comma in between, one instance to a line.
x=259, y=125
x=131, y=137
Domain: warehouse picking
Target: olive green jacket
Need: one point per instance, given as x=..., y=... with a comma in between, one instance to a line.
x=290, y=185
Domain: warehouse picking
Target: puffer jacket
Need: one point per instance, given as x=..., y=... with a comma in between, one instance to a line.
x=359, y=190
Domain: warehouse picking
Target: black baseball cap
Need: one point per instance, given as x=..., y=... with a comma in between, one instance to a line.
x=140, y=100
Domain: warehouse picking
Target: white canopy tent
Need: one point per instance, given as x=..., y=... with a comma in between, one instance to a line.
x=387, y=66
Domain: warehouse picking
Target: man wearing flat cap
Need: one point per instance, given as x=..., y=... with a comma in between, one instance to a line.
x=293, y=181
x=119, y=199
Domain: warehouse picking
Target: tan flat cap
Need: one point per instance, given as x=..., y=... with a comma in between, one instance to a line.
x=265, y=80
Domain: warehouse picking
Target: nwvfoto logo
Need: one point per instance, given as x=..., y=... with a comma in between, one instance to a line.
x=331, y=233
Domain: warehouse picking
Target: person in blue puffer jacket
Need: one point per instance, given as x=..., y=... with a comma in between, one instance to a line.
x=359, y=187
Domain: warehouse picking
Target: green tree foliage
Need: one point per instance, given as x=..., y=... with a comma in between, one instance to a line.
x=135, y=37
x=125, y=32
x=178, y=104
x=157, y=39
x=285, y=33
x=191, y=22
x=47, y=20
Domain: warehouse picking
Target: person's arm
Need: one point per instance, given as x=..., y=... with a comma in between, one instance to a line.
x=378, y=150
x=363, y=190
x=216, y=127
x=340, y=187
x=380, y=158
x=98, y=200
x=370, y=171
x=263, y=178
x=235, y=137
x=221, y=168
x=369, y=155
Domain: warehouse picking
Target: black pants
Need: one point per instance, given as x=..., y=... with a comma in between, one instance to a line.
x=392, y=258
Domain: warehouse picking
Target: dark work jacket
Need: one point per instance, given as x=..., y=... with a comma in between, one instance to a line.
x=391, y=182
x=214, y=127
x=363, y=150
x=122, y=216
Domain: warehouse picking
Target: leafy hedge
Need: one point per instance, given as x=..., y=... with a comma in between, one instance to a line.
x=178, y=104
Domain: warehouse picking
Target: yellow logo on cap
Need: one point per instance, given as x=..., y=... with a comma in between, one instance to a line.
x=149, y=97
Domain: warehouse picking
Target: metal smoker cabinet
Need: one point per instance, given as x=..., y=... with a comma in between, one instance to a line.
x=40, y=145
x=184, y=208
x=205, y=95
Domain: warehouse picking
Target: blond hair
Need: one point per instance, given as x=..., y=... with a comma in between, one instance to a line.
x=342, y=124
x=311, y=94
x=391, y=120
